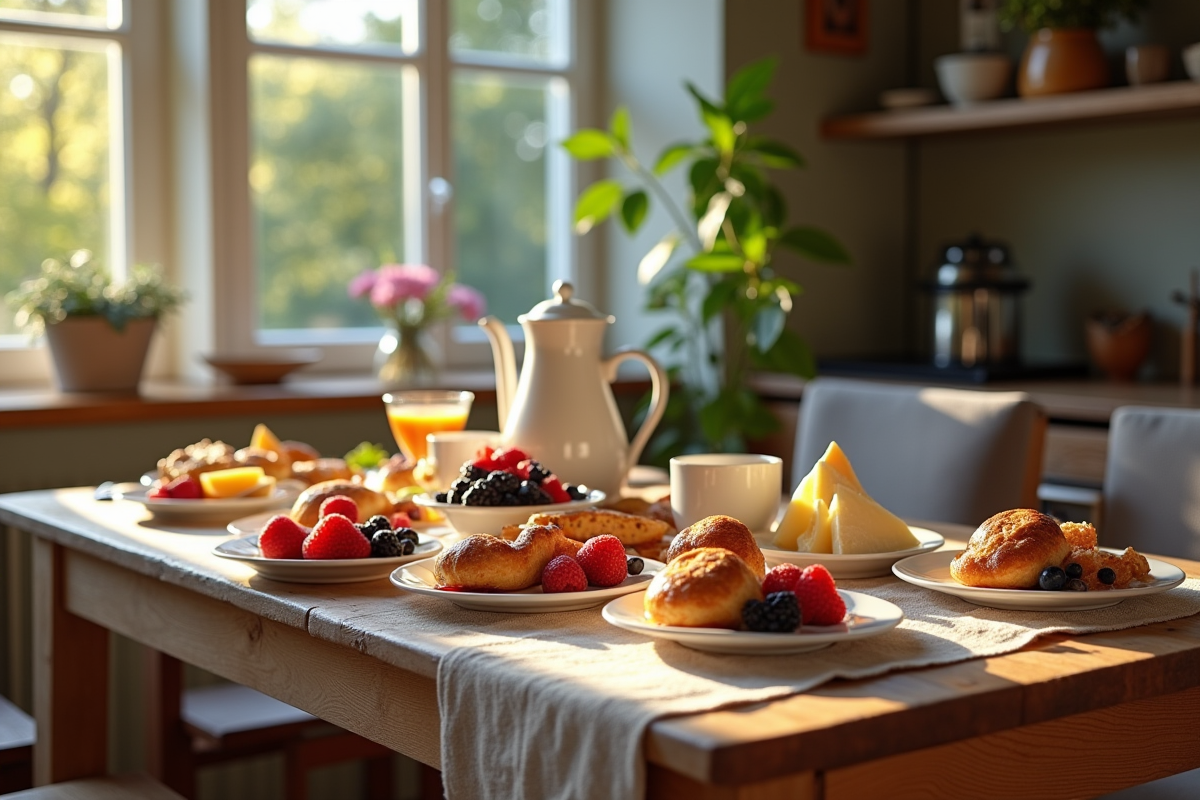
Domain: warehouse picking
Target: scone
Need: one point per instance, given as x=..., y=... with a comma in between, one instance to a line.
x=306, y=510
x=703, y=588
x=1010, y=550
x=487, y=563
x=724, y=532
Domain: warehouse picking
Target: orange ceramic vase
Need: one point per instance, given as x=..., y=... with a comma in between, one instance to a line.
x=1061, y=60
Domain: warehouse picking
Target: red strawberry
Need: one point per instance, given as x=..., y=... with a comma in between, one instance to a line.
x=508, y=458
x=483, y=458
x=335, y=536
x=563, y=574
x=553, y=487
x=340, y=504
x=401, y=520
x=159, y=493
x=521, y=470
x=603, y=560
x=282, y=537
x=820, y=604
x=781, y=579
x=185, y=487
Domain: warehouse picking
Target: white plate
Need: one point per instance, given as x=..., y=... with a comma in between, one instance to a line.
x=858, y=565
x=932, y=571
x=211, y=509
x=490, y=519
x=318, y=570
x=418, y=578
x=865, y=616
x=254, y=523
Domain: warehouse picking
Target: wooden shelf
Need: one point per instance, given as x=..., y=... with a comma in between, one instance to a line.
x=1178, y=98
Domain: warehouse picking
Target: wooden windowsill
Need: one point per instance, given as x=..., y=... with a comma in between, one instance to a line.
x=165, y=399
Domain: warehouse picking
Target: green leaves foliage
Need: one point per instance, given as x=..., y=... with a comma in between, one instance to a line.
x=634, y=209
x=590, y=144
x=672, y=156
x=618, y=126
x=596, y=203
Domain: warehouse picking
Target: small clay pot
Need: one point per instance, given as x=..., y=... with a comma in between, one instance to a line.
x=1119, y=346
x=1062, y=60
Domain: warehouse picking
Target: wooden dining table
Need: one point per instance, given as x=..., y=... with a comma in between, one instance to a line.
x=1068, y=716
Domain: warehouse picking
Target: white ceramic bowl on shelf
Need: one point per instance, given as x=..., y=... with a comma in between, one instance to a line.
x=1191, y=61
x=966, y=78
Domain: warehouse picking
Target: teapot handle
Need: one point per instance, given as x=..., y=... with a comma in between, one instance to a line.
x=660, y=388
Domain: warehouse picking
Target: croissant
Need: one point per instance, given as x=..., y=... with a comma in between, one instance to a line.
x=483, y=563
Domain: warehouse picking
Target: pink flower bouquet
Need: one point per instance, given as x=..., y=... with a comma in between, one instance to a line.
x=414, y=295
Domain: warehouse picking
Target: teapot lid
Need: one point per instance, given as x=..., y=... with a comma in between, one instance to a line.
x=563, y=306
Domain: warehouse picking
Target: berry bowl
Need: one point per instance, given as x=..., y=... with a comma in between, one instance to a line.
x=491, y=519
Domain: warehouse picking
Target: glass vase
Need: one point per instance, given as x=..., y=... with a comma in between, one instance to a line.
x=406, y=357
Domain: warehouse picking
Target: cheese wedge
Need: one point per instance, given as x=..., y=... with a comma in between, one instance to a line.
x=230, y=482
x=819, y=536
x=818, y=485
x=835, y=457
x=860, y=525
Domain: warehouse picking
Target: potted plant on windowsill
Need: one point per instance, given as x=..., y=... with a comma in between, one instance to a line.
x=1064, y=53
x=98, y=329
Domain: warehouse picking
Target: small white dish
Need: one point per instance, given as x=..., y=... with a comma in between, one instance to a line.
x=932, y=571
x=211, y=509
x=1191, y=61
x=857, y=565
x=967, y=78
x=490, y=519
x=302, y=570
x=865, y=616
x=418, y=579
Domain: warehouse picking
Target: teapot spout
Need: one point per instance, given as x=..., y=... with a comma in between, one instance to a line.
x=506, y=365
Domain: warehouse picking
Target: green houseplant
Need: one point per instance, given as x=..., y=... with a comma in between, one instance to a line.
x=1064, y=54
x=98, y=329
x=715, y=268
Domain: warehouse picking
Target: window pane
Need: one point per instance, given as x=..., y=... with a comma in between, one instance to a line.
x=326, y=185
x=54, y=167
x=83, y=13
x=500, y=140
x=387, y=23
x=532, y=29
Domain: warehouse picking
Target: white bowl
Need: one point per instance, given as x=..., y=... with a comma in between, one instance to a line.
x=1191, y=61
x=490, y=519
x=973, y=77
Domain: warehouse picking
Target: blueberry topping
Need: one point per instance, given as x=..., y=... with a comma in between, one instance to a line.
x=1052, y=579
x=440, y=497
x=1076, y=585
x=634, y=565
x=407, y=534
x=1074, y=570
x=1106, y=576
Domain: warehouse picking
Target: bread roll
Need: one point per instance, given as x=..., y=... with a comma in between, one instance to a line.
x=307, y=507
x=321, y=469
x=724, y=532
x=703, y=588
x=269, y=461
x=1010, y=550
x=490, y=564
x=632, y=530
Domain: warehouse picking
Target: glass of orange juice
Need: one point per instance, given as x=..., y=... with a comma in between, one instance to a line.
x=413, y=415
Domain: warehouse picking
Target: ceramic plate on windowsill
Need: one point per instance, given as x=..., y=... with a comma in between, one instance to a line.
x=263, y=368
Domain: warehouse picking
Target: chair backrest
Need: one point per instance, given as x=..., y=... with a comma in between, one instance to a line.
x=950, y=455
x=1152, y=481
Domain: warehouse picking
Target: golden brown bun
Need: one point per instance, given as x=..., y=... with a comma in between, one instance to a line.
x=321, y=469
x=307, y=507
x=724, y=532
x=298, y=451
x=583, y=525
x=270, y=462
x=704, y=588
x=396, y=473
x=488, y=563
x=1010, y=550
x=203, y=456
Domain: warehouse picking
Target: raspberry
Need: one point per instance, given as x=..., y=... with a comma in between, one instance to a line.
x=335, y=536
x=563, y=574
x=781, y=579
x=508, y=458
x=185, y=487
x=553, y=487
x=340, y=504
x=160, y=493
x=401, y=520
x=603, y=560
x=282, y=537
x=820, y=603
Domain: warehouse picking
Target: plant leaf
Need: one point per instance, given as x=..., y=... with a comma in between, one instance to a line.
x=619, y=127
x=753, y=110
x=709, y=225
x=716, y=262
x=706, y=106
x=589, y=144
x=815, y=244
x=790, y=354
x=721, y=127
x=634, y=209
x=767, y=326
x=747, y=86
x=661, y=336
x=754, y=247
x=672, y=156
x=703, y=179
x=653, y=262
x=596, y=203
x=775, y=154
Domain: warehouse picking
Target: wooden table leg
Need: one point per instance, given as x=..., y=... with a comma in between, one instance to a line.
x=70, y=694
x=168, y=746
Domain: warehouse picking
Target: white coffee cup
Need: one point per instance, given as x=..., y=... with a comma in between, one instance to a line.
x=449, y=449
x=746, y=487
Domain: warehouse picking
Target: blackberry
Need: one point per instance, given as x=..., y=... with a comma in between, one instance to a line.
x=576, y=492
x=530, y=494
x=457, y=490
x=537, y=473
x=407, y=547
x=385, y=544
x=779, y=613
x=482, y=493
x=509, y=499
x=440, y=497
x=1106, y=575
x=407, y=534
x=376, y=523
x=634, y=565
x=504, y=481
x=472, y=473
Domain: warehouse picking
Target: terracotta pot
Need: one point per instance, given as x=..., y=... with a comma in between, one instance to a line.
x=1119, y=348
x=1061, y=60
x=90, y=356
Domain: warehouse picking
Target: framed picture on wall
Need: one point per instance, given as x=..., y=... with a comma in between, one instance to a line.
x=836, y=26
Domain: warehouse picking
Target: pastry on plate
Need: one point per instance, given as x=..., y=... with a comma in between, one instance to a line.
x=632, y=530
x=1010, y=550
x=720, y=531
x=321, y=469
x=483, y=563
x=307, y=508
x=702, y=588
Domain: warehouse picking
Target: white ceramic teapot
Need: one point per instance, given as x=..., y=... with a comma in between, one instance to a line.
x=562, y=409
